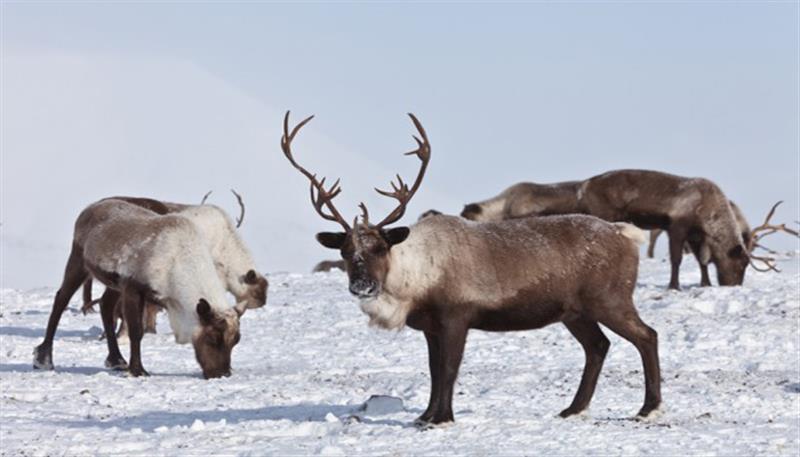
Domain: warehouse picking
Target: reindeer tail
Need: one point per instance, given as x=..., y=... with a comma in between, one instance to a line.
x=631, y=232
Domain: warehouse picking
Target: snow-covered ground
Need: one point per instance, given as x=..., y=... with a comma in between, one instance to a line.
x=730, y=360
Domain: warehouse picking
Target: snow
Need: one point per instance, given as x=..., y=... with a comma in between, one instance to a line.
x=310, y=377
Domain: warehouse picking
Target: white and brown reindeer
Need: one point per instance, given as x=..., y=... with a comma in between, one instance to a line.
x=446, y=275
x=691, y=210
x=233, y=261
x=145, y=257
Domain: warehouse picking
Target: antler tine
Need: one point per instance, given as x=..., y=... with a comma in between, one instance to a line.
x=240, y=219
x=758, y=233
x=401, y=192
x=766, y=228
x=322, y=197
x=364, y=213
x=768, y=261
x=205, y=197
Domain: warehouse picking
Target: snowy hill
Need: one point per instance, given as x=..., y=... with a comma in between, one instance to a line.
x=730, y=360
x=82, y=127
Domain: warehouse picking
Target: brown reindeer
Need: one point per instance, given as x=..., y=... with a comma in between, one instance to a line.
x=700, y=250
x=445, y=275
x=328, y=265
x=692, y=210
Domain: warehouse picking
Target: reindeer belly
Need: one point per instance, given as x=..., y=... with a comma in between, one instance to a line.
x=520, y=316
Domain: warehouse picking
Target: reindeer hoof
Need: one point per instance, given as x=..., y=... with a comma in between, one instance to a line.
x=569, y=412
x=118, y=364
x=42, y=360
x=136, y=372
x=431, y=421
x=648, y=412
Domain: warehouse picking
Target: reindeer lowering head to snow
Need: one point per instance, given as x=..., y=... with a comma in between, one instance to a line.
x=232, y=260
x=693, y=210
x=446, y=275
x=147, y=257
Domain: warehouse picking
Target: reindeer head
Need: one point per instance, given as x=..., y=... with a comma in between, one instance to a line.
x=214, y=341
x=365, y=248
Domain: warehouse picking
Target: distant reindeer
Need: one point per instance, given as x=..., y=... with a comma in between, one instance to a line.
x=232, y=259
x=692, y=210
x=328, y=265
x=143, y=257
x=445, y=275
x=701, y=250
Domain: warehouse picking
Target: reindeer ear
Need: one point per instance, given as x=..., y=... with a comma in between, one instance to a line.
x=396, y=235
x=250, y=277
x=205, y=312
x=331, y=240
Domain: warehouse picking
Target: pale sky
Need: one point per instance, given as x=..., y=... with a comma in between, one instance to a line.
x=172, y=99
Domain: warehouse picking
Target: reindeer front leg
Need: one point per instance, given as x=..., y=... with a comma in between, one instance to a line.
x=452, y=338
x=108, y=304
x=133, y=309
x=433, y=364
x=677, y=237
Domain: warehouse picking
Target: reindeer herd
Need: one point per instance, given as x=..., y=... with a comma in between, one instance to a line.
x=534, y=255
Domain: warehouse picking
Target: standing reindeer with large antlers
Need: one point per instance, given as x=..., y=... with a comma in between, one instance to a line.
x=445, y=275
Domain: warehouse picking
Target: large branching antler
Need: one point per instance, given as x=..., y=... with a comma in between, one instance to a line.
x=319, y=195
x=766, y=228
x=400, y=191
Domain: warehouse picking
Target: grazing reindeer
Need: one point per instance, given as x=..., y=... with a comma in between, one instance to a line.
x=232, y=259
x=444, y=276
x=328, y=265
x=701, y=251
x=147, y=257
x=692, y=210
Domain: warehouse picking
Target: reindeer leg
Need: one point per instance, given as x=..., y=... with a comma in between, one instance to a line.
x=433, y=365
x=74, y=275
x=119, y=316
x=133, y=309
x=627, y=324
x=108, y=303
x=651, y=248
x=677, y=237
x=595, y=346
x=150, y=311
x=451, y=350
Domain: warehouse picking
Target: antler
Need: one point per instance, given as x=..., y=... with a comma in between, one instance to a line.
x=240, y=219
x=323, y=197
x=766, y=228
x=205, y=197
x=401, y=191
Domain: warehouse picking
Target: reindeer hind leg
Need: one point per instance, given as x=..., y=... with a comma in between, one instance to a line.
x=74, y=275
x=627, y=324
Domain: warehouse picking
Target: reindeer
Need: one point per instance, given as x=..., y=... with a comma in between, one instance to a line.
x=692, y=210
x=232, y=259
x=145, y=257
x=701, y=250
x=445, y=275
